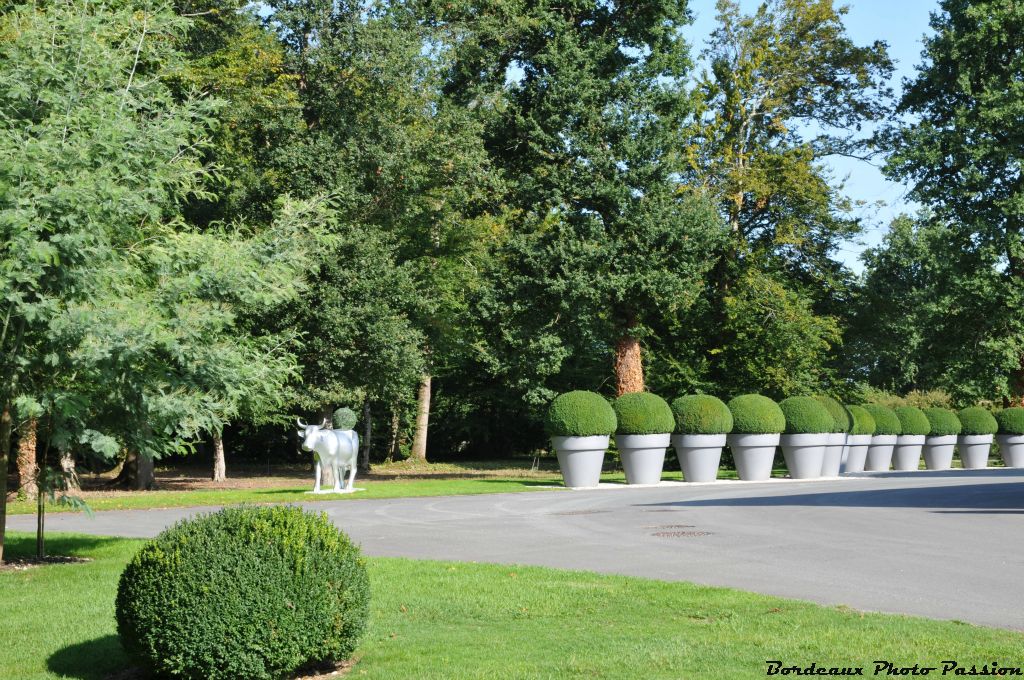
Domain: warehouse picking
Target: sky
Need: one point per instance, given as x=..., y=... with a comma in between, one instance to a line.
x=901, y=24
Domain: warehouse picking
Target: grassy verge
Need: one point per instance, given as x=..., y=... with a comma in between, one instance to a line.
x=444, y=620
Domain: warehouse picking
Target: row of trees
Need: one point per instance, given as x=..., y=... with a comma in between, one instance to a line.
x=441, y=214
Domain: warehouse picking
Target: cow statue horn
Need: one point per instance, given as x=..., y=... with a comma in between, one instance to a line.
x=326, y=423
x=300, y=423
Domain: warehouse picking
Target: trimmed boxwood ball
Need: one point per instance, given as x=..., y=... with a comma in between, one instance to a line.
x=863, y=422
x=806, y=415
x=701, y=414
x=344, y=419
x=756, y=414
x=1011, y=420
x=913, y=420
x=977, y=420
x=943, y=421
x=580, y=414
x=886, y=422
x=840, y=416
x=643, y=413
x=247, y=592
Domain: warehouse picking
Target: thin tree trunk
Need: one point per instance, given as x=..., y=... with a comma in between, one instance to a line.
x=27, y=469
x=6, y=425
x=364, y=456
x=219, y=467
x=419, y=442
x=629, y=368
x=396, y=421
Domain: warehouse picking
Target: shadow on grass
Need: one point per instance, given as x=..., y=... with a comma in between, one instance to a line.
x=100, y=659
x=21, y=544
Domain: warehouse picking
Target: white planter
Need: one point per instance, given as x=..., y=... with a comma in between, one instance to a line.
x=833, y=458
x=699, y=455
x=906, y=455
x=974, y=450
x=804, y=454
x=642, y=456
x=580, y=459
x=880, y=452
x=856, y=452
x=753, y=454
x=938, y=451
x=1011, y=448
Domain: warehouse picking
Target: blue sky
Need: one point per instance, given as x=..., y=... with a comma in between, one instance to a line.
x=900, y=23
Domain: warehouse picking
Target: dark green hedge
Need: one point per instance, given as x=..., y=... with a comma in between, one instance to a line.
x=886, y=422
x=912, y=420
x=977, y=420
x=246, y=592
x=842, y=419
x=806, y=415
x=643, y=413
x=1011, y=420
x=580, y=414
x=756, y=414
x=863, y=422
x=943, y=421
x=701, y=414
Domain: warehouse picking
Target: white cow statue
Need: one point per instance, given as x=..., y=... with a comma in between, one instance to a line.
x=336, y=449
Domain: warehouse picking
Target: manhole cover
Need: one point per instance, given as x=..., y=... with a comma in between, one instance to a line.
x=569, y=513
x=680, y=534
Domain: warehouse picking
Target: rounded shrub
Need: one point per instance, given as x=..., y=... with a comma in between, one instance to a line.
x=246, y=592
x=701, y=414
x=943, y=422
x=643, y=413
x=977, y=420
x=1011, y=420
x=912, y=420
x=842, y=420
x=580, y=414
x=886, y=422
x=344, y=419
x=806, y=415
x=756, y=414
x=863, y=422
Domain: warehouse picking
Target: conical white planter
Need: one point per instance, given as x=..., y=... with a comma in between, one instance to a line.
x=974, y=449
x=833, y=458
x=938, y=452
x=753, y=454
x=906, y=455
x=642, y=456
x=856, y=452
x=1011, y=448
x=699, y=455
x=804, y=454
x=580, y=459
x=880, y=452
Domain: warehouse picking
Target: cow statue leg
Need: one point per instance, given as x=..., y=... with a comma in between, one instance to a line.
x=316, y=475
x=351, y=478
x=338, y=472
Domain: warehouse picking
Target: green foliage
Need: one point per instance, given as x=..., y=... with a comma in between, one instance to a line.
x=1011, y=420
x=756, y=414
x=912, y=420
x=843, y=421
x=977, y=420
x=580, y=414
x=344, y=418
x=886, y=422
x=942, y=421
x=701, y=414
x=806, y=415
x=863, y=421
x=643, y=413
x=253, y=592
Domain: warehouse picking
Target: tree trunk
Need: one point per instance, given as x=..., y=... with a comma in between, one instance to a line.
x=364, y=456
x=419, y=442
x=629, y=368
x=69, y=475
x=396, y=421
x=6, y=425
x=219, y=468
x=137, y=472
x=27, y=469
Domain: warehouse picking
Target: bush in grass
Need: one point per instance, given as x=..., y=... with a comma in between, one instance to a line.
x=756, y=414
x=806, y=415
x=863, y=423
x=643, y=413
x=1011, y=420
x=701, y=414
x=943, y=421
x=580, y=414
x=886, y=422
x=344, y=419
x=842, y=419
x=247, y=592
x=912, y=420
x=977, y=420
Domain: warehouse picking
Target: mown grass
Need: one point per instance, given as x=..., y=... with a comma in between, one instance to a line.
x=466, y=620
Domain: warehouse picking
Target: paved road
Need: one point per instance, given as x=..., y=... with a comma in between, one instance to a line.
x=946, y=545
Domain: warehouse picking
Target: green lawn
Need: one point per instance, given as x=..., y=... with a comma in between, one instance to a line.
x=445, y=620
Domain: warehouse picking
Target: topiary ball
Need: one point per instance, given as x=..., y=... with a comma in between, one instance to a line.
x=842, y=419
x=913, y=421
x=886, y=422
x=344, y=419
x=863, y=422
x=943, y=422
x=977, y=420
x=756, y=414
x=246, y=592
x=580, y=414
x=701, y=414
x=1011, y=420
x=806, y=415
x=643, y=413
